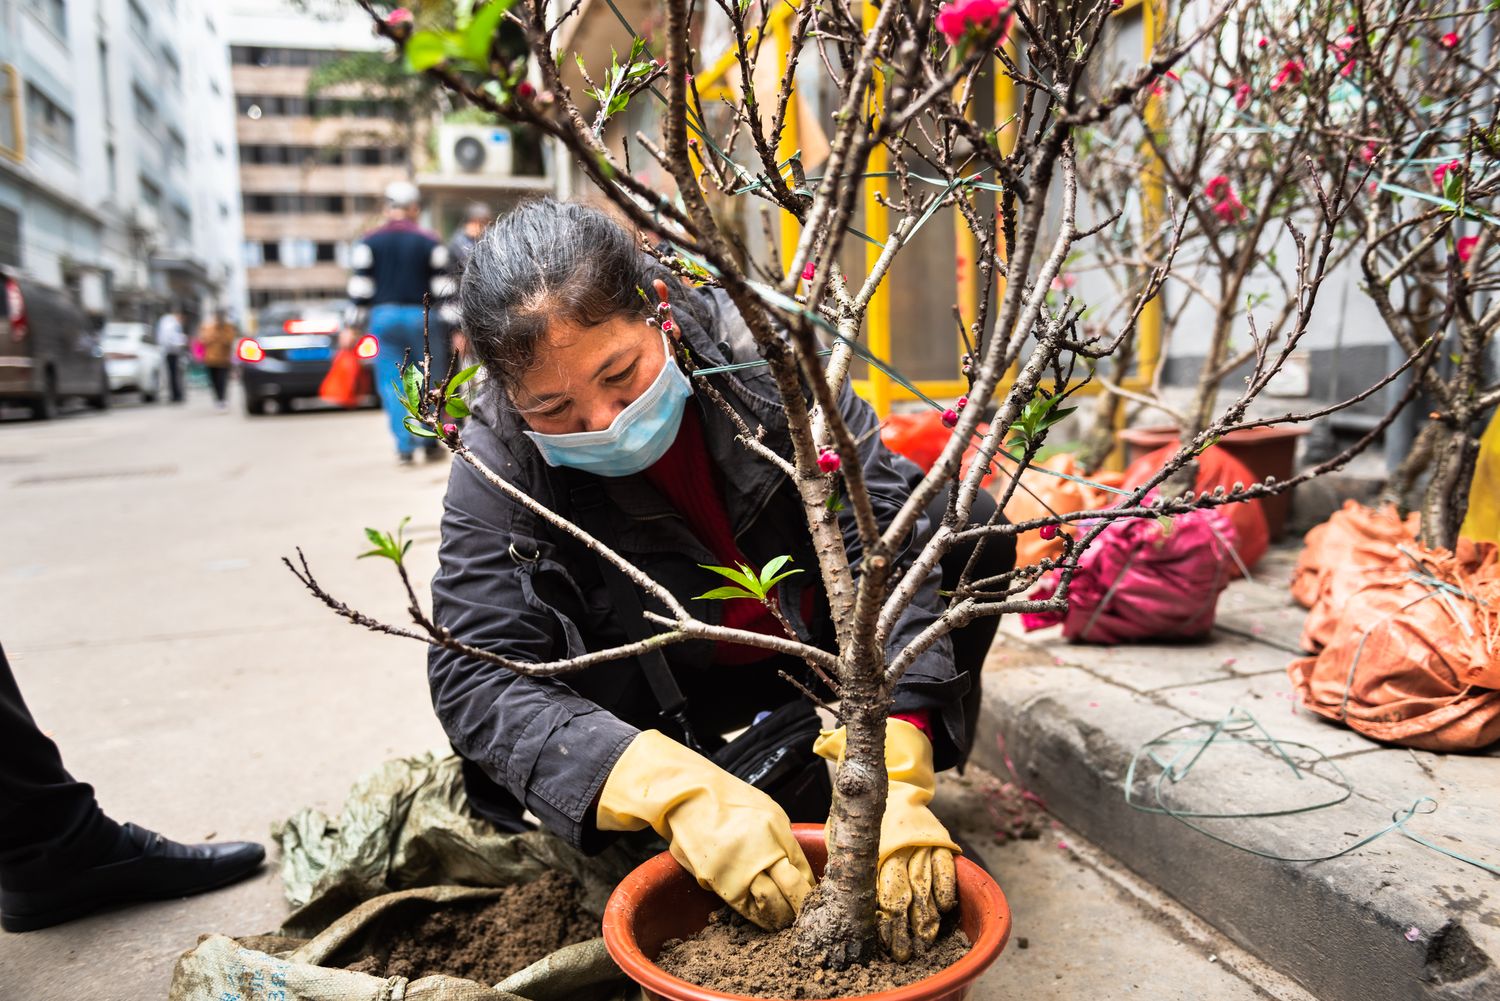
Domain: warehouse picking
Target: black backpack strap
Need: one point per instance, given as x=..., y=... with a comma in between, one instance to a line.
x=589, y=510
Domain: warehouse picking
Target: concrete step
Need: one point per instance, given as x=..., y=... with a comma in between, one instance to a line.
x=1392, y=921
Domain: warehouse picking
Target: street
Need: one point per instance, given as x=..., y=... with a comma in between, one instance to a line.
x=188, y=676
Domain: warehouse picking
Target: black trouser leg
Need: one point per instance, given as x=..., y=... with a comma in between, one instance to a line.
x=173, y=362
x=971, y=644
x=220, y=379
x=48, y=821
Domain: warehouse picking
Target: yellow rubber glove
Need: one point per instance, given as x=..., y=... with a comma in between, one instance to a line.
x=917, y=882
x=731, y=836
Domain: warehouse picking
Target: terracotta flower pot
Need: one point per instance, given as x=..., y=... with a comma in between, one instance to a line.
x=660, y=901
x=1265, y=451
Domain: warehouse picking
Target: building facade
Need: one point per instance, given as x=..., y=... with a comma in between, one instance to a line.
x=117, y=175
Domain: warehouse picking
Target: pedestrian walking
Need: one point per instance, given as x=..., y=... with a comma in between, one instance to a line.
x=216, y=347
x=173, y=341
x=394, y=267
x=476, y=217
x=62, y=857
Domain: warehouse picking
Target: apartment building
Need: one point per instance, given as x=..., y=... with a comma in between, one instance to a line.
x=116, y=155
x=312, y=170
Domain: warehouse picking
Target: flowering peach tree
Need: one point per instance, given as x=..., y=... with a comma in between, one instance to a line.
x=906, y=81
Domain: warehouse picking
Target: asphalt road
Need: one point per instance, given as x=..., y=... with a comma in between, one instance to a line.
x=190, y=678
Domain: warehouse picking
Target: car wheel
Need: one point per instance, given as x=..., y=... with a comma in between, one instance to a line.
x=45, y=407
x=101, y=400
x=255, y=406
x=154, y=393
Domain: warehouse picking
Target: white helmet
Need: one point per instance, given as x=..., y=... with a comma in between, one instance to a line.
x=402, y=194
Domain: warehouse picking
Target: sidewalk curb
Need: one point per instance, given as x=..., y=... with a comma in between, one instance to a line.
x=1338, y=927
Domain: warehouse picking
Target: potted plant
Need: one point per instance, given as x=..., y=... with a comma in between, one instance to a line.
x=919, y=66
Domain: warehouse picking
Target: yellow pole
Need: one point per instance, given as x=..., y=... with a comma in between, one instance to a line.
x=877, y=225
x=791, y=137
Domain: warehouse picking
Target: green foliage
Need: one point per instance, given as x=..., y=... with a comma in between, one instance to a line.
x=614, y=96
x=1039, y=414
x=748, y=583
x=413, y=392
x=389, y=546
x=469, y=42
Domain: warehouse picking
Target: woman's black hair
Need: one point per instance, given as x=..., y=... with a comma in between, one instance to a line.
x=546, y=261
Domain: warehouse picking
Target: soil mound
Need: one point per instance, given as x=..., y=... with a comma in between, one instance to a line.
x=732, y=955
x=486, y=942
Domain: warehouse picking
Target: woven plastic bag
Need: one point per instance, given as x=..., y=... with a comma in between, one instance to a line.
x=1339, y=556
x=293, y=969
x=1216, y=468
x=1415, y=657
x=1039, y=495
x=1141, y=579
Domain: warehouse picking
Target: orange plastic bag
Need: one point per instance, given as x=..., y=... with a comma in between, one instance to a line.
x=922, y=438
x=1038, y=495
x=343, y=385
x=1216, y=468
x=1415, y=658
x=1337, y=558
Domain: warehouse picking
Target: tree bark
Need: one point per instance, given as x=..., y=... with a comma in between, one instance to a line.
x=837, y=924
x=1446, y=499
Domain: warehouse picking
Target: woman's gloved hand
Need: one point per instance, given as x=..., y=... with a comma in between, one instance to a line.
x=727, y=833
x=917, y=882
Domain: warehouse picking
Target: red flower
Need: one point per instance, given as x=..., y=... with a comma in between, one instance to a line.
x=950, y=418
x=525, y=91
x=1262, y=43
x=450, y=429
x=1449, y=41
x=1241, y=95
x=1218, y=188
x=1230, y=209
x=1047, y=532
x=1466, y=248
x=809, y=271
x=955, y=19
x=963, y=401
x=1291, y=74
x=666, y=325
x=1368, y=153
x=828, y=460
x=1440, y=175
x=398, y=16
x=1342, y=53
x=1163, y=83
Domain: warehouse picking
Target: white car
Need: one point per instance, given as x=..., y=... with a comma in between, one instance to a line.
x=132, y=359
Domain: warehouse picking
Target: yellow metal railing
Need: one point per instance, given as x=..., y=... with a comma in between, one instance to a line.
x=878, y=387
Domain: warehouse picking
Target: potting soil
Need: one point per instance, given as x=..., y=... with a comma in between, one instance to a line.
x=487, y=942
x=732, y=955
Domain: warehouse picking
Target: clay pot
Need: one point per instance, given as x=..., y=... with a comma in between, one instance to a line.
x=1265, y=451
x=660, y=901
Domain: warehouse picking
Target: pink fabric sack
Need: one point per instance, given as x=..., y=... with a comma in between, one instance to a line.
x=1140, y=581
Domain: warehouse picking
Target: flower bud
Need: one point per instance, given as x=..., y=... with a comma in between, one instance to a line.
x=450, y=429
x=950, y=418
x=828, y=460
x=1048, y=532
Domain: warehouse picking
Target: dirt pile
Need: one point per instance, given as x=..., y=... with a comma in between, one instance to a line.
x=489, y=941
x=734, y=956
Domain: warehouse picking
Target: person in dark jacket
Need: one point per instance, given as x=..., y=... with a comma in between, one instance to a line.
x=394, y=266
x=586, y=407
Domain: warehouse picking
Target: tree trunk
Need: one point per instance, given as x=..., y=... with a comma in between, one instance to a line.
x=1446, y=500
x=837, y=924
x=1398, y=485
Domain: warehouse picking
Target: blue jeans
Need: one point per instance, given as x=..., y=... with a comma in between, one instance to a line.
x=399, y=330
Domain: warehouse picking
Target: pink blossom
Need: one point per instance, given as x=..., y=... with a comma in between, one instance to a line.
x=950, y=418
x=958, y=17
x=1262, y=43
x=1413, y=933
x=1163, y=83
x=1440, y=175
x=1344, y=55
x=1449, y=41
x=809, y=271
x=1466, y=248
x=525, y=91
x=1229, y=210
x=828, y=460
x=666, y=325
x=1368, y=153
x=963, y=401
x=1047, y=532
x=450, y=429
x=398, y=16
x=1063, y=281
x=1291, y=74
x=1242, y=95
x=1218, y=188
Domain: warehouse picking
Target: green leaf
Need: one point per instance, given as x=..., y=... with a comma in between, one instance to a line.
x=374, y=552
x=477, y=37
x=725, y=593
x=461, y=378
x=456, y=407
x=424, y=50
x=744, y=576
x=768, y=584
x=376, y=537
x=418, y=429
x=411, y=380
x=770, y=568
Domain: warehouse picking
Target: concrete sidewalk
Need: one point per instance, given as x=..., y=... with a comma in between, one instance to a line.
x=1392, y=920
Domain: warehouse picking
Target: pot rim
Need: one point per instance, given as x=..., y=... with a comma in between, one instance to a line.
x=619, y=936
x=1240, y=434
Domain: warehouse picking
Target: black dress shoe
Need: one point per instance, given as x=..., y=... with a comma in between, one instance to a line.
x=162, y=869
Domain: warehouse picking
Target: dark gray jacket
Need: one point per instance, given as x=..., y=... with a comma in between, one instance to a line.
x=510, y=583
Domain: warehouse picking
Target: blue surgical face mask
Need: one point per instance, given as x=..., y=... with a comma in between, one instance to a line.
x=638, y=436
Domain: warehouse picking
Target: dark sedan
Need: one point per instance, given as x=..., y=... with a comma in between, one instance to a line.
x=289, y=354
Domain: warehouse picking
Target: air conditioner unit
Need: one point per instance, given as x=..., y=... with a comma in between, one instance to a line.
x=475, y=150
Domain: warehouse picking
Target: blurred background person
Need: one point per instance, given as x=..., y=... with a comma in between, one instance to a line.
x=216, y=339
x=476, y=217
x=394, y=266
x=173, y=341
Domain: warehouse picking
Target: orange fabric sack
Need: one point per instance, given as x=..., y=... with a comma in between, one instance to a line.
x=1337, y=558
x=922, y=438
x=1216, y=468
x=342, y=385
x=1411, y=662
x=1039, y=495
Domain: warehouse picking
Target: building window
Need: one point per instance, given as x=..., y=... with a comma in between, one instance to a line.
x=104, y=90
x=145, y=108
x=262, y=56
x=219, y=149
x=47, y=120
x=136, y=15
x=150, y=193
x=172, y=67
x=326, y=253
x=52, y=13
x=178, y=146
x=10, y=237
x=110, y=166
x=255, y=105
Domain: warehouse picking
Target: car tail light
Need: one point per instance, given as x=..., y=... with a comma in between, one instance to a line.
x=15, y=308
x=119, y=355
x=368, y=346
x=250, y=351
x=310, y=327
